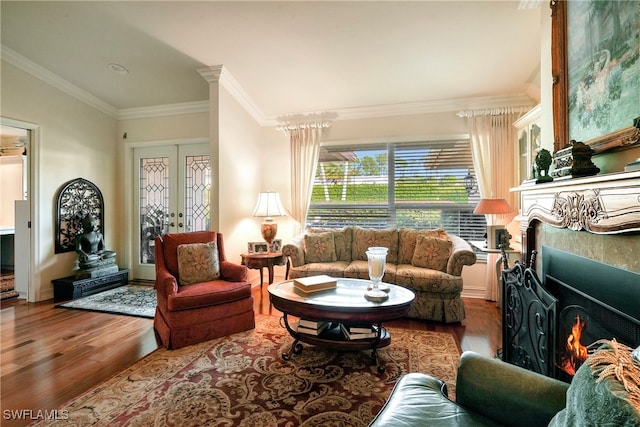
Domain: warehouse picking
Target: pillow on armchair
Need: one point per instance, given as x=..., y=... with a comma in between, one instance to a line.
x=198, y=262
x=432, y=252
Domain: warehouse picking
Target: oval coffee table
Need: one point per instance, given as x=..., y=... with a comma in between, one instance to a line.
x=344, y=304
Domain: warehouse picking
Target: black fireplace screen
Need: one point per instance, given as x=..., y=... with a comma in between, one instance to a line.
x=528, y=321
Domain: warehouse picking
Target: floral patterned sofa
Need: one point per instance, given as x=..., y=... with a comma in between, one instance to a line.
x=429, y=262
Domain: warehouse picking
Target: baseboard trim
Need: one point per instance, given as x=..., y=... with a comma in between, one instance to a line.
x=473, y=293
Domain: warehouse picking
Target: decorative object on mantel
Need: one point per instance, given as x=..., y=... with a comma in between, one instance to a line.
x=542, y=164
x=575, y=160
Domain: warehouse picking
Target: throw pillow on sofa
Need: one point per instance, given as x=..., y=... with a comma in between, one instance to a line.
x=432, y=252
x=319, y=247
x=364, y=238
x=407, y=238
x=342, y=239
x=198, y=262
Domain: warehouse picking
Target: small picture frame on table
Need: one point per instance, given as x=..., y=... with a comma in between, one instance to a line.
x=261, y=248
x=494, y=235
x=503, y=236
x=276, y=245
x=258, y=247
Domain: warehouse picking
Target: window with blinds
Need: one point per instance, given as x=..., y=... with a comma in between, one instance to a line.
x=420, y=185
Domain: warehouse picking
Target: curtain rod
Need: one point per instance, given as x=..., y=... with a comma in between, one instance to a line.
x=492, y=111
x=295, y=126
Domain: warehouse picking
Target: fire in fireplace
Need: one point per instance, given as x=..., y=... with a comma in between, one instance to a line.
x=574, y=353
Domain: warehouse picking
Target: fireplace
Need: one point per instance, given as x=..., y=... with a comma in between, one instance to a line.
x=585, y=285
x=594, y=301
x=549, y=326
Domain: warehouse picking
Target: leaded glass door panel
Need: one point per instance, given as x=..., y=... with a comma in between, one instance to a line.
x=173, y=185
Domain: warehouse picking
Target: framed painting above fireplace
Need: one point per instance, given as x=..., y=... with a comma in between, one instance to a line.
x=596, y=73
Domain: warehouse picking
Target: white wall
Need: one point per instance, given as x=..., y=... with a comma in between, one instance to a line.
x=178, y=126
x=241, y=159
x=75, y=141
x=417, y=127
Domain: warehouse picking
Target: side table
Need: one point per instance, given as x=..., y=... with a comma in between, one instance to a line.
x=482, y=245
x=260, y=261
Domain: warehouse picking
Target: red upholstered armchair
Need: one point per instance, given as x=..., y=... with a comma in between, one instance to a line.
x=189, y=314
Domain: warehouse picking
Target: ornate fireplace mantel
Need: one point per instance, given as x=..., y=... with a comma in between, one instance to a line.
x=601, y=204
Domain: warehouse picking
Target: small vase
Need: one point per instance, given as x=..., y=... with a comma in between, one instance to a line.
x=377, y=258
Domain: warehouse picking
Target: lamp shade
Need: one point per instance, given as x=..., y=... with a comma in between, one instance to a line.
x=269, y=205
x=492, y=206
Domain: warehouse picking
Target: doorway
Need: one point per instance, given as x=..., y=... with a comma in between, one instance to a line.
x=172, y=195
x=15, y=235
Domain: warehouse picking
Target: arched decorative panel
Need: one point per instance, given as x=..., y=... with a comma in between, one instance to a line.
x=75, y=200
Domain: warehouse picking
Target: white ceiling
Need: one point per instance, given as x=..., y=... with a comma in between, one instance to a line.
x=292, y=57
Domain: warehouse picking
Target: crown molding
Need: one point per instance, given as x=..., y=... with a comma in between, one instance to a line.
x=431, y=107
x=411, y=108
x=211, y=74
x=218, y=73
x=163, y=110
x=41, y=73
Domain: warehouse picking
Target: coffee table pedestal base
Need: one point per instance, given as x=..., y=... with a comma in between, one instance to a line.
x=332, y=337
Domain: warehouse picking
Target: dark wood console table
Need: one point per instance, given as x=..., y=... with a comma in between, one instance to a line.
x=71, y=288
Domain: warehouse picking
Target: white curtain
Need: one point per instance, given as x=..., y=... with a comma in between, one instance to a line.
x=305, y=146
x=494, y=150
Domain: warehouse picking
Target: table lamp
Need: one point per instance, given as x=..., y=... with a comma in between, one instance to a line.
x=492, y=207
x=268, y=206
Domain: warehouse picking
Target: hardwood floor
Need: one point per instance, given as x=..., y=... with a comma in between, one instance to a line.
x=50, y=355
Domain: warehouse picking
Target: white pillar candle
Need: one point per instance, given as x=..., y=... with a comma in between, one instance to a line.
x=377, y=266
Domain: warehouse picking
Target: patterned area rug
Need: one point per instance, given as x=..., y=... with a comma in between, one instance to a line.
x=7, y=286
x=241, y=380
x=132, y=300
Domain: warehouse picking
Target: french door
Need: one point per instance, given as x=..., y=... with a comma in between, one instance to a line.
x=173, y=185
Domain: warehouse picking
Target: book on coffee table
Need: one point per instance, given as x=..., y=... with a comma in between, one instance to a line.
x=373, y=332
x=313, y=324
x=309, y=331
x=315, y=283
x=363, y=328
